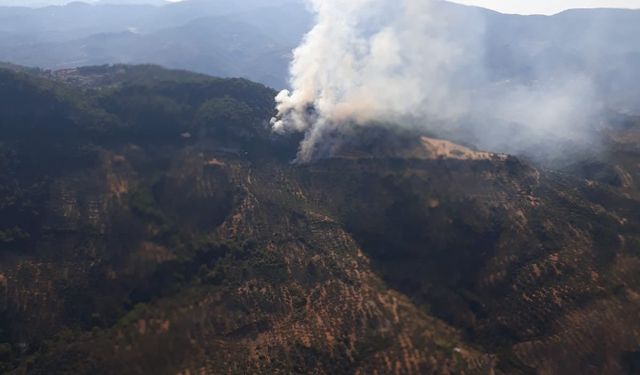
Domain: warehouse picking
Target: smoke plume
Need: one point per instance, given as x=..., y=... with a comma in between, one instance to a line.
x=420, y=63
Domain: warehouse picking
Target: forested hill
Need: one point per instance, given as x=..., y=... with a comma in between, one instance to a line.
x=147, y=103
x=150, y=223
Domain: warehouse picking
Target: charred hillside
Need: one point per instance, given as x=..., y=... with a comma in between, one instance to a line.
x=151, y=223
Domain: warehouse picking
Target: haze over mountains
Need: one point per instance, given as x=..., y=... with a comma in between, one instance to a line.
x=254, y=39
x=225, y=39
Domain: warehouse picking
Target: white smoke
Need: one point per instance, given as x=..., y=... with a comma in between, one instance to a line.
x=418, y=63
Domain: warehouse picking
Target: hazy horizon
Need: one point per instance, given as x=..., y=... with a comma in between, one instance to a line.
x=502, y=6
x=43, y=3
x=548, y=7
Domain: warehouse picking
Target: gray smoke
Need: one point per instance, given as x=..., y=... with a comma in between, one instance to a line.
x=421, y=63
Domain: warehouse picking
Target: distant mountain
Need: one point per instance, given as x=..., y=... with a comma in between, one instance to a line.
x=246, y=40
x=254, y=39
x=598, y=43
x=77, y=20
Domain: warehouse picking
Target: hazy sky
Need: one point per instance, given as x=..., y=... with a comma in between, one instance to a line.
x=38, y=3
x=548, y=6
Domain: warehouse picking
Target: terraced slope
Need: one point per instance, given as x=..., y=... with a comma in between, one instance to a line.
x=534, y=266
x=186, y=243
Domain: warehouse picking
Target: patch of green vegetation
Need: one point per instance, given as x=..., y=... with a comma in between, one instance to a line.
x=371, y=343
x=6, y=357
x=15, y=234
x=270, y=267
x=510, y=364
x=136, y=313
x=225, y=111
x=444, y=345
x=231, y=267
x=144, y=204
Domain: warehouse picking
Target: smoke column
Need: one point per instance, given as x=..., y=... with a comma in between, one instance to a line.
x=418, y=63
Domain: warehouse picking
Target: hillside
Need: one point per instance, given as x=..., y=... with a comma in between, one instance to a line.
x=151, y=223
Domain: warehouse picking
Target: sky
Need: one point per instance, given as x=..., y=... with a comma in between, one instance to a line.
x=548, y=6
x=504, y=6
